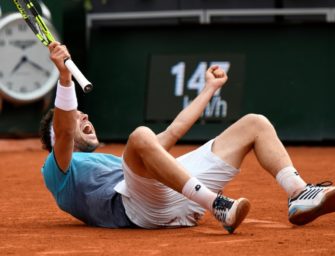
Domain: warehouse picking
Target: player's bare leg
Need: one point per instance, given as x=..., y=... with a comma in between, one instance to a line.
x=255, y=132
x=252, y=132
x=147, y=158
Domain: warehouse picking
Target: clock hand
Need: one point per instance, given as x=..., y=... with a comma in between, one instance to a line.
x=23, y=44
x=18, y=65
x=38, y=67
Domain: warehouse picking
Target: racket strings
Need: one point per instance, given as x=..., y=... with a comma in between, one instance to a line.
x=35, y=21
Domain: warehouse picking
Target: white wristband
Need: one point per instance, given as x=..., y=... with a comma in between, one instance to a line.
x=66, y=98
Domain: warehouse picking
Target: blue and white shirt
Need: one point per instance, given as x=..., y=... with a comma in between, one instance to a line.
x=86, y=189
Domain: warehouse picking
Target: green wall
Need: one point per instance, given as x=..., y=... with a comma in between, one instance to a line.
x=289, y=75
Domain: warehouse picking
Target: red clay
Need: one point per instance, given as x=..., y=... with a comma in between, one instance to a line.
x=31, y=223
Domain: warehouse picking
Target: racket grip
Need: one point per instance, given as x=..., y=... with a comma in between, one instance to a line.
x=81, y=79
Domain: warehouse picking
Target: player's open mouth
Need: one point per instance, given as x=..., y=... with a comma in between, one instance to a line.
x=87, y=128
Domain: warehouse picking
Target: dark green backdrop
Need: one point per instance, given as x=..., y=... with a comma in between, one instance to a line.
x=289, y=75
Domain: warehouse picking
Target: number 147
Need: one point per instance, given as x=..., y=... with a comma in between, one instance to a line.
x=197, y=79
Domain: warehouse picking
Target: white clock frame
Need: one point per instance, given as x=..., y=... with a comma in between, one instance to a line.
x=34, y=95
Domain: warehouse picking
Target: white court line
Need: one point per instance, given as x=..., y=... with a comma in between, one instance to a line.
x=231, y=241
x=266, y=223
x=84, y=251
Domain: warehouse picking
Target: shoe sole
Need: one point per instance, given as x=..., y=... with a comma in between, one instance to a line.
x=241, y=212
x=327, y=205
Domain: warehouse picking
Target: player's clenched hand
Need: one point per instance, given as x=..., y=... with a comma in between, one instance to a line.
x=58, y=54
x=215, y=77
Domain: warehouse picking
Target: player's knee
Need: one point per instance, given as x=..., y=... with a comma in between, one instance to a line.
x=141, y=138
x=258, y=122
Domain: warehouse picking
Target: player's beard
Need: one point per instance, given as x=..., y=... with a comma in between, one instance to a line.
x=85, y=145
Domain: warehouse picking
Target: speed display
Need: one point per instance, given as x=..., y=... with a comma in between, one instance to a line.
x=175, y=80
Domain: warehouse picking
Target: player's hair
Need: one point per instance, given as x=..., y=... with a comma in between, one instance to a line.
x=45, y=130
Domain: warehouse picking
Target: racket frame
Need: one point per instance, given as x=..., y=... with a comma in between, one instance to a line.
x=49, y=38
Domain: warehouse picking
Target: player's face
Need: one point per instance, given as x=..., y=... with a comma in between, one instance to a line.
x=85, y=139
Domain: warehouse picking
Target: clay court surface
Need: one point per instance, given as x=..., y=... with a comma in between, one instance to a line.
x=31, y=223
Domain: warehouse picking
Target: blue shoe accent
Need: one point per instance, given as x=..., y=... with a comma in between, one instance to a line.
x=229, y=229
x=292, y=211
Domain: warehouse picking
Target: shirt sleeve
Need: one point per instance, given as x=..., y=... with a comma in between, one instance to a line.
x=54, y=177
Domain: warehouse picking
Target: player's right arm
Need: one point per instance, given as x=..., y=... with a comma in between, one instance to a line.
x=215, y=79
x=64, y=122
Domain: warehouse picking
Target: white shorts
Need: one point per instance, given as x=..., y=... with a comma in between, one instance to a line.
x=150, y=204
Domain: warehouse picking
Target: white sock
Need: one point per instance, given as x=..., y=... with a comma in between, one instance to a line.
x=199, y=193
x=290, y=180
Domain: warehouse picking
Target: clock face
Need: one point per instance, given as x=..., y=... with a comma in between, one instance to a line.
x=26, y=72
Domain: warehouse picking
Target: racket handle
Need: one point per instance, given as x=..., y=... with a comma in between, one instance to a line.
x=81, y=79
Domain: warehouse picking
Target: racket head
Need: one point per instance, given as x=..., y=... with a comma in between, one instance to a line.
x=34, y=20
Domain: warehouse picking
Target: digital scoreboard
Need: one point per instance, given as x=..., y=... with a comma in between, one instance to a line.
x=175, y=80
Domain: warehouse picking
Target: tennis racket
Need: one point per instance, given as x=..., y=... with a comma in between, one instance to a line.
x=37, y=25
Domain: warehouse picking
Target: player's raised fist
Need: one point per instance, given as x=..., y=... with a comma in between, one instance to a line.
x=216, y=77
x=218, y=73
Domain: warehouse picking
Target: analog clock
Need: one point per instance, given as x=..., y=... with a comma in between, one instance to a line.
x=26, y=72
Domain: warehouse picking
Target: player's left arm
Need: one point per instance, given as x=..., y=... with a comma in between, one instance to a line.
x=215, y=79
x=64, y=122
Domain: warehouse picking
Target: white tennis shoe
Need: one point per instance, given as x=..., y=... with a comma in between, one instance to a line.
x=312, y=202
x=230, y=212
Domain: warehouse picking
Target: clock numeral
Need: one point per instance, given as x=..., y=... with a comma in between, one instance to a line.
x=23, y=89
x=9, y=32
x=38, y=85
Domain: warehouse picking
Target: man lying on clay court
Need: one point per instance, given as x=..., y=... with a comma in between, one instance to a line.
x=147, y=187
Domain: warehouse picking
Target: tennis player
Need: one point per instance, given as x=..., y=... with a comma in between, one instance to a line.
x=147, y=187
